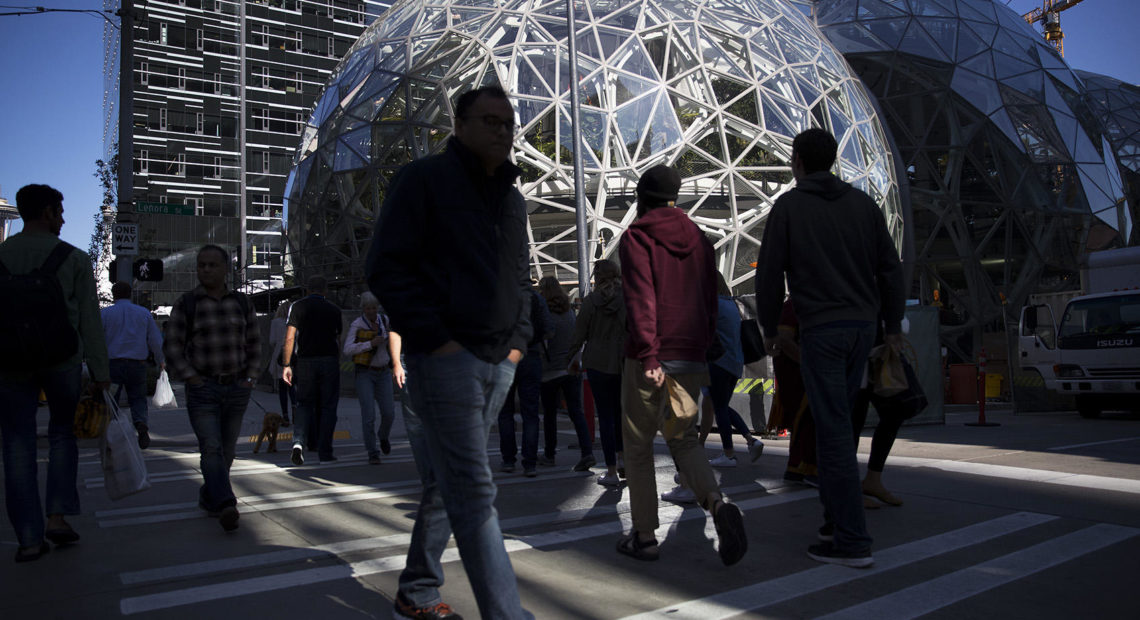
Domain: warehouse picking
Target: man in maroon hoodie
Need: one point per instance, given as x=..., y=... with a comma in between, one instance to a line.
x=669, y=281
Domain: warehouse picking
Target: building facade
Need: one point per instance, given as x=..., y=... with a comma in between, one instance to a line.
x=222, y=90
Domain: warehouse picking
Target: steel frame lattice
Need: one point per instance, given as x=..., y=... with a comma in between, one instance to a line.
x=717, y=89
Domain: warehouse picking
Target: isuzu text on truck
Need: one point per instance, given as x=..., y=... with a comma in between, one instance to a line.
x=1094, y=352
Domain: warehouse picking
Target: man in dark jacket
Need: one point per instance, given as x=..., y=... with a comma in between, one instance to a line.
x=528, y=386
x=831, y=240
x=449, y=264
x=311, y=356
x=669, y=277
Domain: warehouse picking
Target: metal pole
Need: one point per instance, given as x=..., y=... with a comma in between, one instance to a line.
x=579, y=179
x=126, y=205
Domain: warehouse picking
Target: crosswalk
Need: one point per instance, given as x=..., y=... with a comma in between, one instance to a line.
x=1004, y=547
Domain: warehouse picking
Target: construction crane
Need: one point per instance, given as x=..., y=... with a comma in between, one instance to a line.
x=1050, y=14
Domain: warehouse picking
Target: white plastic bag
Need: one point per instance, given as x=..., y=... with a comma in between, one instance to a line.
x=124, y=470
x=163, y=393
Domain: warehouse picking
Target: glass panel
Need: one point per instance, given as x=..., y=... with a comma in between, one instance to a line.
x=632, y=119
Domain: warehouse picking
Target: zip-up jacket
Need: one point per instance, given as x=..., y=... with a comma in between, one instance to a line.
x=449, y=256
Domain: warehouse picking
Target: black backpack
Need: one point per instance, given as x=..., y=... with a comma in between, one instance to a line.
x=35, y=332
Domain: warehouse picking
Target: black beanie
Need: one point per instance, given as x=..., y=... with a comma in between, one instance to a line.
x=660, y=183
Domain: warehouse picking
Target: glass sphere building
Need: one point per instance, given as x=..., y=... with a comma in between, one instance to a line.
x=716, y=89
x=1011, y=176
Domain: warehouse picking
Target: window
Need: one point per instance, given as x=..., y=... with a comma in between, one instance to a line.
x=199, y=123
x=163, y=33
x=217, y=83
x=181, y=78
x=260, y=119
x=217, y=167
x=162, y=119
x=196, y=203
x=144, y=161
x=265, y=162
x=144, y=73
x=199, y=39
x=332, y=46
x=260, y=35
x=298, y=123
x=292, y=81
x=180, y=165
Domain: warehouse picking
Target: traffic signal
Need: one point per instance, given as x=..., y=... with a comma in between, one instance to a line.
x=148, y=270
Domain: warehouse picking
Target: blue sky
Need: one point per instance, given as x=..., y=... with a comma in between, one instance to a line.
x=51, y=80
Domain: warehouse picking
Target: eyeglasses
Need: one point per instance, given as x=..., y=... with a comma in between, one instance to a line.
x=495, y=123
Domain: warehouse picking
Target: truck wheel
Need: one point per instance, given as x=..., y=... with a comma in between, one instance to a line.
x=1088, y=407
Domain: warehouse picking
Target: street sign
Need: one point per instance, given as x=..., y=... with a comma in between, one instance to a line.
x=163, y=208
x=125, y=239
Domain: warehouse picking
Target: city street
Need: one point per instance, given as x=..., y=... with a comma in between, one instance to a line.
x=1036, y=518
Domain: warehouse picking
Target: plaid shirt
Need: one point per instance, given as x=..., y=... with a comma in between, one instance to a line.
x=224, y=340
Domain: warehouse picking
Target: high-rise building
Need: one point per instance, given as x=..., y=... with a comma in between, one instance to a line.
x=222, y=90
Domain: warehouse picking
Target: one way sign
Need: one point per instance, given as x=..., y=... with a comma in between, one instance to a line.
x=125, y=239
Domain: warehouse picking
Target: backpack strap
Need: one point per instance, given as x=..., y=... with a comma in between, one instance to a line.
x=58, y=254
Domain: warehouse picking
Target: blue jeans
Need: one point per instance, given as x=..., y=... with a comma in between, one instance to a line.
x=131, y=374
x=528, y=379
x=570, y=386
x=374, y=387
x=216, y=413
x=454, y=399
x=18, y=403
x=832, y=361
x=720, y=391
x=606, y=389
x=318, y=390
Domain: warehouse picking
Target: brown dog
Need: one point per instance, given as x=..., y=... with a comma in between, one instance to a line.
x=269, y=425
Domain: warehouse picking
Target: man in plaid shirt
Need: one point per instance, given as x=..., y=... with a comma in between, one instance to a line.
x=217, y=352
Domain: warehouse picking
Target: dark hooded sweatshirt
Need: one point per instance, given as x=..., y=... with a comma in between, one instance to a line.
x=668, y=274
x=601, y=325
x=832, y=241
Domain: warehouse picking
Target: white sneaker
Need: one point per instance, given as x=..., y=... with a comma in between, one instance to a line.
x=609, y=480
x=679, y=495
x=723, y=461
x=755, y=450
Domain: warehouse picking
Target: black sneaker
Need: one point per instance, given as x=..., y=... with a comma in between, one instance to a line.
x=828, y=554
x=229, y=518
x=328, y=459
x=385, y=446
x=144, y=435
x=730, y=532
x=529, y=472
x=507, y=468
x=440, y=611
x=373, y=459
x=546, y=461
x=298, y=456
x=585, y=463
x=826, y=532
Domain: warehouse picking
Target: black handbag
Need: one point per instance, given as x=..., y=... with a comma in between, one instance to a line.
x=751, y=342
x=903, y=405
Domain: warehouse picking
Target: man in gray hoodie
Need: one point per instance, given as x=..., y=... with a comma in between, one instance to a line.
x=831, y=241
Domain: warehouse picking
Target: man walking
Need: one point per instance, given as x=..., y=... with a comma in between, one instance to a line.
x=831, y=241
x=314, y=328
x=669, y=277
x=528, y=386
x=131, y=334
x=449, y=264
x=74, y=306
x=213, y=344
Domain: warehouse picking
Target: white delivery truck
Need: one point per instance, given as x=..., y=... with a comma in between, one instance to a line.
x=1093, y=352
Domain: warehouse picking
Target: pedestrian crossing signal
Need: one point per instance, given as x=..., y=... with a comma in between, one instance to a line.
x=148, y=270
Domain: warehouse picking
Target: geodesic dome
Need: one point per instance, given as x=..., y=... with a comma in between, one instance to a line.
x=717, y=89
x=1010, y=175
x=1117, y=104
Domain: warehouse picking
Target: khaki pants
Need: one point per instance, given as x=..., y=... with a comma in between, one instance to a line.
x=647, y=410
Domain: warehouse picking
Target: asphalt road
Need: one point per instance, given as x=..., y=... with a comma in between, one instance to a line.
x=1036, y=518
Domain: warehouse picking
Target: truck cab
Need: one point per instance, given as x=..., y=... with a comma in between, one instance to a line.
x=1093, y=353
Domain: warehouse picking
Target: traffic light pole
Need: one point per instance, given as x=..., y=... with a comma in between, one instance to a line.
x=126, y=207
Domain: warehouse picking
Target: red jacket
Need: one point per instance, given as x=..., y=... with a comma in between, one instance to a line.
x=669, y=279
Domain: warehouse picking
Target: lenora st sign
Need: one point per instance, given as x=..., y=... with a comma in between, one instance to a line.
x=163, y=208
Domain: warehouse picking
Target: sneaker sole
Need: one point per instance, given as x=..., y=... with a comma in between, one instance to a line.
x=849, y=562
x=730, y=531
